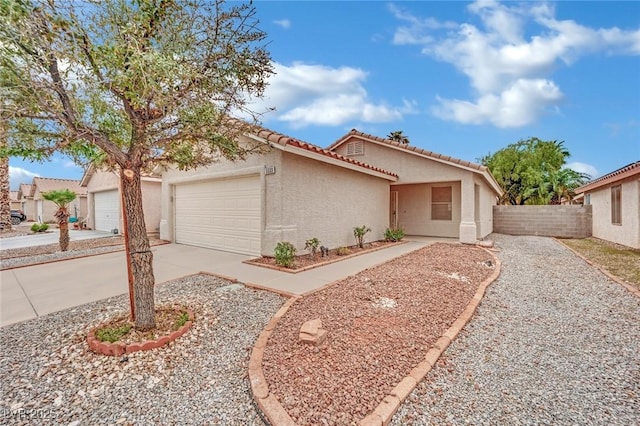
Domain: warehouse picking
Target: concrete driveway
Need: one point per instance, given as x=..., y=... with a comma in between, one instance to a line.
x=49, y=237
x=34, y=291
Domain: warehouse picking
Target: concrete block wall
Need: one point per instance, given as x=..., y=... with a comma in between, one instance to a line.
x=549, y=221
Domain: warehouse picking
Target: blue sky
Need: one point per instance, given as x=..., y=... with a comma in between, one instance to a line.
x=459, y=78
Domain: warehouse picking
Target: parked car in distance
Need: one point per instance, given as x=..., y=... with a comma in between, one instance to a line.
x=17, y=216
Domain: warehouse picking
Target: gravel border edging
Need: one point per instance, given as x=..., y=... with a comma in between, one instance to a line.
x=277, y=415
x=632, y=289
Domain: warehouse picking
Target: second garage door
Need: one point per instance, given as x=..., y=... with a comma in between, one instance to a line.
x=221, y=214
x=107, y=210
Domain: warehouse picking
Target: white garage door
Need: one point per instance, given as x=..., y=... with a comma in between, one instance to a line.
x=222, y=214
x=107, y=210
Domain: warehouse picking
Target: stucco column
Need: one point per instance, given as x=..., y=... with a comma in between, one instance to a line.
x=467, y=212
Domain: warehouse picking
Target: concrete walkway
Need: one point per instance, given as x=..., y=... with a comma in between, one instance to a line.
x=33, y=291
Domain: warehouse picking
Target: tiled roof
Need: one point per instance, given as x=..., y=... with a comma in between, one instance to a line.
x=25, y=190
x=617, y=175
x=13, y=195
x=409, y=148
x=52, y=184
x=284, y=140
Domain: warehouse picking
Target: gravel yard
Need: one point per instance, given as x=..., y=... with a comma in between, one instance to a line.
x=553, y=342
x=19, y=257
x=46, y=370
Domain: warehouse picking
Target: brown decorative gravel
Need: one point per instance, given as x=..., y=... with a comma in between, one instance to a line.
x=380, y=324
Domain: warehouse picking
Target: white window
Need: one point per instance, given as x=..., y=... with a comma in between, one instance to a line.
x=441, y=203
x=355, y=148
x=616, y=205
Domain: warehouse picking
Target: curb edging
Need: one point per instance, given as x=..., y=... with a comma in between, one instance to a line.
x=119, y=348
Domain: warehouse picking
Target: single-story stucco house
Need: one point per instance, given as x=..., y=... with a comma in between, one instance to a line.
x=45, y=210
x=297, y=191
x=103, y=200
x=615, y=201
x=27, y=205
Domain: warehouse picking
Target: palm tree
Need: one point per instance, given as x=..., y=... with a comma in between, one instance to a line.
x=397, y=136
x=61, y=198
x=561, y=185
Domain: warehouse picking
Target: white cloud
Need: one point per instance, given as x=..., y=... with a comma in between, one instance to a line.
x=306, y=94
x=584, y=168
x=19, y=175
x=284, y=23
x=509, y=72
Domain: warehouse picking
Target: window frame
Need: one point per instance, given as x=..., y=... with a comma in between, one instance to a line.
x=439, y=203
x=355, y=148
x=616, y=205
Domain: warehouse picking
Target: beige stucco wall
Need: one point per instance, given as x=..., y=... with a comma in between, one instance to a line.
x=485, y=200
x=326, y=202
x=470, y=222
x=414, y=210
x=628, y=233
x=304, y=198
x=151, y=198
x=28, y=207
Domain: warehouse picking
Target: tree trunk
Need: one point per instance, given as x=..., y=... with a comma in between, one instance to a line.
x=5, y=201
x=140, y=258
x=63, y=224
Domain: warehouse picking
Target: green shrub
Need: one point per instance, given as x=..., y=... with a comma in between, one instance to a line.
x=113, y=334
x=285, y=253
x=359, y=233
x=393, y=234
x=343, y=251
x=182, y=320
x=312, y=245
x=39, y=227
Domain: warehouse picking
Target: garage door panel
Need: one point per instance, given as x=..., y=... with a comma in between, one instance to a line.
x=106, y=210
x=220, y=214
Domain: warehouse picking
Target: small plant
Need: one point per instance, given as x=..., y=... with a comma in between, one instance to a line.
x=343, y=251
x=182, y=320
x=285, y=253
x=113, y=334
x=393, y=234
x=312, y=245
x=359, y=232
x=39, y=227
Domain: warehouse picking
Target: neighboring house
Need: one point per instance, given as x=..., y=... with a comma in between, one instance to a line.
x=14, y=202
x=103, y=200
x=299, y=191
x=615, y=201
x=45, y=210
x=27, y=205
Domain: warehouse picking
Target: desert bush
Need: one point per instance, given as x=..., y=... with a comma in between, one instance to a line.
x=343, y=251
x=312, y=245
x=285, y=253
x=393, y=234
x=359, y=232
x=39, y=227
